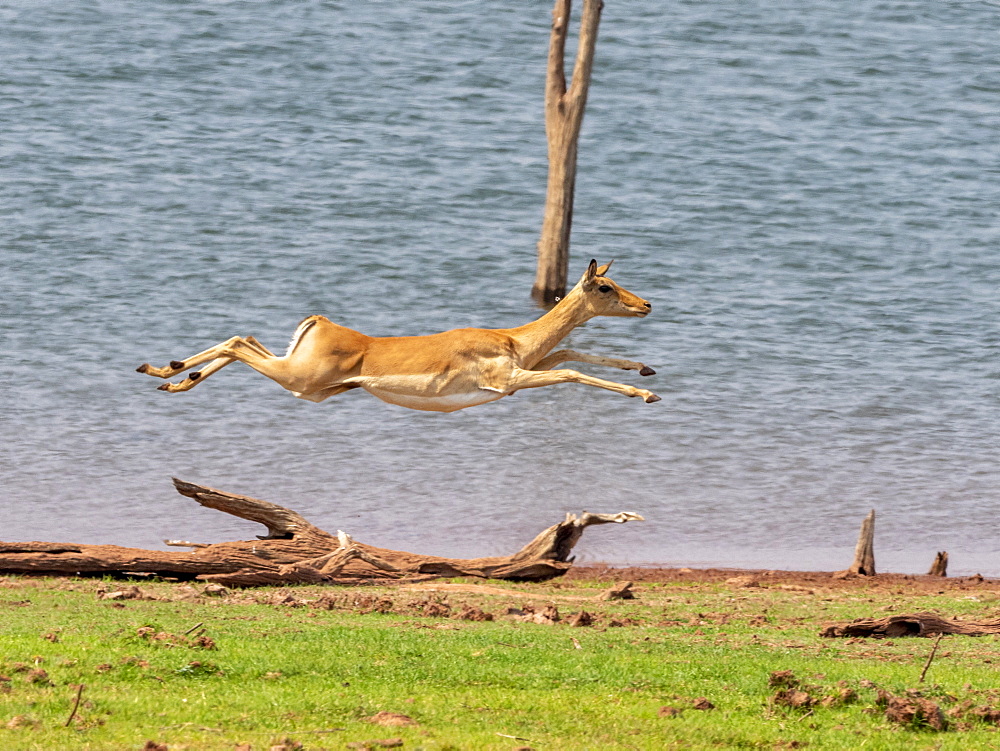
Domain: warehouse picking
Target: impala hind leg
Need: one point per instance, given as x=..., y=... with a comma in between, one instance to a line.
x=212, y=353
x=179, y=366
x=244, y=349
x=533, y=379
x=567, y=355
x=197, y=376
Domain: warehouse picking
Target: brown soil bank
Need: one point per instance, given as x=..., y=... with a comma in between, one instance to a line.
x=814, y=580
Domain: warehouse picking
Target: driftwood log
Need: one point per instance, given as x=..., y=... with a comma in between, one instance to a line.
x=917, y=624
x=295, y=552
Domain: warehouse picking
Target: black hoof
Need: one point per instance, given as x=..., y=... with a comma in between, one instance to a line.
x=164, y=387
x=195, y=375
x=646, y=370
x=142, y=368
x=651, y=399
x=176, y=364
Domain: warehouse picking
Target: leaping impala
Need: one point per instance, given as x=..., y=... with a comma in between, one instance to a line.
x=437, y=373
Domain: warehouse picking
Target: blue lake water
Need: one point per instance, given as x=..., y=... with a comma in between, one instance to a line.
x=808, y=193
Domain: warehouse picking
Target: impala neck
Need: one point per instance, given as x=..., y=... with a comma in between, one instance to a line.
x=538, y=338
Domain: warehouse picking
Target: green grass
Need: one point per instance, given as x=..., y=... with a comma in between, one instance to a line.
x=316, y=676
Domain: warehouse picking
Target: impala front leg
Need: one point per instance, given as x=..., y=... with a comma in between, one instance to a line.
x=567, y=355
x=533, y=379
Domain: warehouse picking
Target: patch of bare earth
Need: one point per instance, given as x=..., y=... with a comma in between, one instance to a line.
x=790, y=580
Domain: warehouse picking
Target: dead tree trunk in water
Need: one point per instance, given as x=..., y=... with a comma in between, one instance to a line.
x=563, y=119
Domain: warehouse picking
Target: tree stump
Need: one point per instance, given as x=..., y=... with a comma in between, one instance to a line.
x=294, y=551
x=940, y=565
x=864, y=551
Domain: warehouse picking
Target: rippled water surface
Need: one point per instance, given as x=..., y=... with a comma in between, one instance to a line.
x=807, y=192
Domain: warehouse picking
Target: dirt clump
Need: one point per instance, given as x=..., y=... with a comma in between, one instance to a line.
x=434, y=609
x=325, y=602
x=843, y=696
x=373, y=604
x=392, y=719
x=472, y=613
x=912, y=711
x=794, y=698
x=21, y=721
x=285, y=599
x=783, y=678
x=621, y=591
x=127, y=593
x=622, y=622
x=547, y=616
x=38, y=676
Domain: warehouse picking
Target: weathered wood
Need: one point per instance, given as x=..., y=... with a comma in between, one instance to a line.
x=294, y=551
x=917, y=624
x=864, y=551
x=37, y=547
x=281, y=523
x=564, y=108
x=940, y=565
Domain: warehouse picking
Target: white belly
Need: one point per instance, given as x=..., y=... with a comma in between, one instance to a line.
x=444, y=403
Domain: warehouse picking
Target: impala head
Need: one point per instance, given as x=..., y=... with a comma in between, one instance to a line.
x=605, y=298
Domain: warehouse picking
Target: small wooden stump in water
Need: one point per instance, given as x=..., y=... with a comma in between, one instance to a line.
x=864, y=551
x=940, y=565
x=295, y=552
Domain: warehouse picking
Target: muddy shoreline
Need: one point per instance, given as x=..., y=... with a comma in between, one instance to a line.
x=810, y=580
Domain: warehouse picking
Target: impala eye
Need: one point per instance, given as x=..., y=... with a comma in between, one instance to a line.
x=604, y=288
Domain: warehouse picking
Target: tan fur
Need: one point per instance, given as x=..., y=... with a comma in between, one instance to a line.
x=438, y=372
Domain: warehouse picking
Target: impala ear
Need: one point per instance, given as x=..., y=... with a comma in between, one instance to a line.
x=591, y=272
x=603, y=270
